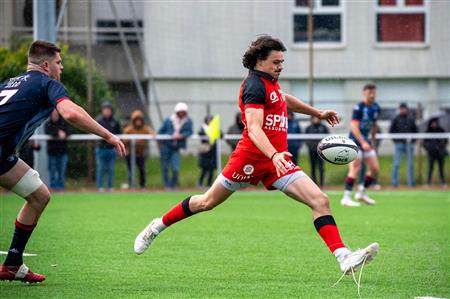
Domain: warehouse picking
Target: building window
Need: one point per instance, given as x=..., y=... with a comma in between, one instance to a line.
x=401, y=21
x=327, y=21
x=107, y=32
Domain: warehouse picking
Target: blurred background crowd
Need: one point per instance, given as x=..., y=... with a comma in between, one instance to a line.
x=167, y=67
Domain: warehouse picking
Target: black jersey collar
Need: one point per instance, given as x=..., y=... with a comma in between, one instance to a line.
x=263, y=74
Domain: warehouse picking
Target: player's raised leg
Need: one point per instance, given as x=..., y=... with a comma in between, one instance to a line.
x=301, y=188
x=371, y=160
x=353, y=169
x=191, y=205
x=25, y=182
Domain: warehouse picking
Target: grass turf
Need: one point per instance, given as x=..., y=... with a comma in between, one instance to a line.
x=255, y=245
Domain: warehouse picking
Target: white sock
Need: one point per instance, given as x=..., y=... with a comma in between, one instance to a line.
x=340, y=253
x=361, y=189
x=159, y=225
x=347, y=193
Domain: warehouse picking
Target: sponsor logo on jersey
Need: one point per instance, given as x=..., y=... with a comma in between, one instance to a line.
x=274, y=97
x=276, y=122
x=240, y=177
x=227, y=181
x=16, y=81
x=248, y=169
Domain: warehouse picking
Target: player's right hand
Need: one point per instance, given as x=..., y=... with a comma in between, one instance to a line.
x=118, y=144
x=281, y=165
x=366, y=146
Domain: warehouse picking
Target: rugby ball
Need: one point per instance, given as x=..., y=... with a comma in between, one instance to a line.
x=337, y=149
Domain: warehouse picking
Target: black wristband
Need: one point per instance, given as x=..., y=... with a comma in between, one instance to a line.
x=271, y=158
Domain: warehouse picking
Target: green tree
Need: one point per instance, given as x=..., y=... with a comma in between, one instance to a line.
x=13, y=61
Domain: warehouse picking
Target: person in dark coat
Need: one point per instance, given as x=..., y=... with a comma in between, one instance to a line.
x=294, y=145
x=403, y=123
x=207, y=158
x=436, y=149
x=316, y=127
x=59, y=130
x=104, y=153
x=26, y=153
x=236, y=129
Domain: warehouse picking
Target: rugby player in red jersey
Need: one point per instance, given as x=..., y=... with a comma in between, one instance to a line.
x=261, y=156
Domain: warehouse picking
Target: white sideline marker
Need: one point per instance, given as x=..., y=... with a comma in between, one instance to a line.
x=24, y=254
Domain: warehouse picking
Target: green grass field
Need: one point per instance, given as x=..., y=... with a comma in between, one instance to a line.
x=255, y=245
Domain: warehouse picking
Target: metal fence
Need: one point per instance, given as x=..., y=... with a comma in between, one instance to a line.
x=225, y=137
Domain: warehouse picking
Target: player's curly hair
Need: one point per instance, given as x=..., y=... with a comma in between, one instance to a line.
x=260, y=49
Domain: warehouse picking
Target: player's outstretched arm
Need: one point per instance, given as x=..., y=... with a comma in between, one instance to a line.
x=255, y=119
x=79, y=118
x=296, y=105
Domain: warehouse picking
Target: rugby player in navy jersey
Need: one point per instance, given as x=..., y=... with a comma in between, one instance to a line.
x=261, y=156
x=25, y=102
x=363, y=129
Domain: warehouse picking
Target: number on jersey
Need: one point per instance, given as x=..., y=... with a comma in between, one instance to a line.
x=6, y=94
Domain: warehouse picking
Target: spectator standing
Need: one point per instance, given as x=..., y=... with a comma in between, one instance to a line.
x=236, y=129
x=138, y=126
x=403, y=123
x=316, y=127
x=207, y=158
x=294, y=145
x=179, y=126
x=26, y=153
x=104, y=153
x=437, y=150
x=59, y=130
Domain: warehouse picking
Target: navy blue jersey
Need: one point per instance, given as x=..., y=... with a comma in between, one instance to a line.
x=367, y=116
x=25, y=102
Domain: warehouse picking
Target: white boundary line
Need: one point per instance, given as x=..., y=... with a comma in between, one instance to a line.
x=24, y=254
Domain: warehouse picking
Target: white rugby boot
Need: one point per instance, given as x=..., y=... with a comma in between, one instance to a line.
x=146, y=237
x=362, y=196
x=347, y=200
x=351, y=261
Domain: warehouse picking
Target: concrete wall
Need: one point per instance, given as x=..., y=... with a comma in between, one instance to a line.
x=195, y=52
x=6, y=21
x=192, y=39
x=110, y=61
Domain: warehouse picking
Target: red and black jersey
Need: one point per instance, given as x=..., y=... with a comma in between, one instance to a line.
x=261, y=90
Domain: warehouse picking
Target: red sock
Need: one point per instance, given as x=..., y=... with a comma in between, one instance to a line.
x=327, y=229
x=177, y=213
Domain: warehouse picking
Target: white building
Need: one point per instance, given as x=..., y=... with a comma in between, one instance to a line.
x=195, y=50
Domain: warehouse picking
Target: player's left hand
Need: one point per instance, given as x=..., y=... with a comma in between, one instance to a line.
x=281, y=165
x=330, y=116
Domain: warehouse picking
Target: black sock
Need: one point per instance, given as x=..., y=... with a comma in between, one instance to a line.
x=20, y=238
x=349, y=182
x=368, y=180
